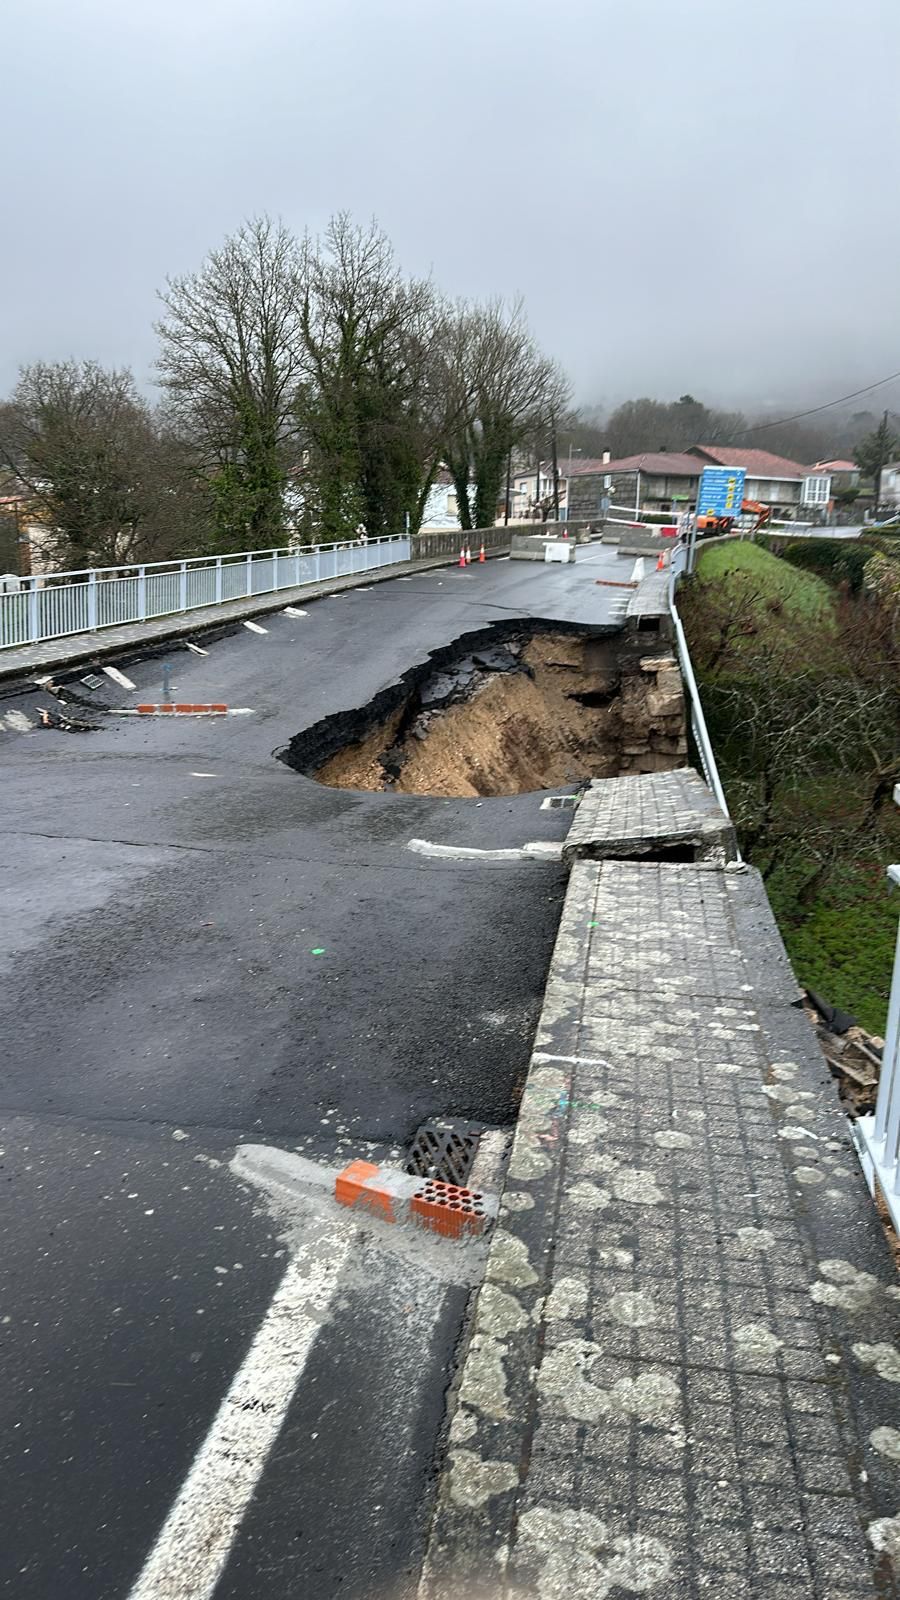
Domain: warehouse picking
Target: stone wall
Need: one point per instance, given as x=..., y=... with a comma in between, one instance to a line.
x=654, y=730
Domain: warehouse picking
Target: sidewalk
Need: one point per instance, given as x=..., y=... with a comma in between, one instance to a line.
x=26, y=660
x=684, y=1376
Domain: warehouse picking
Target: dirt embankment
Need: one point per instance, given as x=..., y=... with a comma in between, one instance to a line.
x=553, y=709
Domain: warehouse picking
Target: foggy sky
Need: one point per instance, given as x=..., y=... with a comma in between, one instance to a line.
x=690, y=194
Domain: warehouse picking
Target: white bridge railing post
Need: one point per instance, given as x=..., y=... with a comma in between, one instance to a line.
x=877, y=1136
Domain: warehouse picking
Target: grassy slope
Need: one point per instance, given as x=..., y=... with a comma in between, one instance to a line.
x=746, y=564
x=841, y=945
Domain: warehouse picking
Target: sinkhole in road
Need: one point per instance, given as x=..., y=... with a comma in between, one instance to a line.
x=519, y=706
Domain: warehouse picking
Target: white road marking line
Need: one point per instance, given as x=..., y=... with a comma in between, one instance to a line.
x=540, y=850
x=294, y=611
x=363, y=589
x=17, y=722
x=204, y=774
x=404, y=580
x=119, y=677
x=239, y=711
x=572, y=1061
x=190, y=1553
x=196, y=649
x=255, y=627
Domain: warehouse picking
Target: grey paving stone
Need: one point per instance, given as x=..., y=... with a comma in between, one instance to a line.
x=644, y=814
x=690, y=1391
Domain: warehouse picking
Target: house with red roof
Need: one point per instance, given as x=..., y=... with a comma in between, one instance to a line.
x=668, y=481
x=786, y=486
x=655, y=480
x=844, y=474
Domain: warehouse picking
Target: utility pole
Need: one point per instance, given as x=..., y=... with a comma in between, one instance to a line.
x=508, y=476
x=23, y=545
x=555, y=475
x=881, y=464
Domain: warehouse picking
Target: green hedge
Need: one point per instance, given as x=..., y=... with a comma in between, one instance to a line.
x=830, y=558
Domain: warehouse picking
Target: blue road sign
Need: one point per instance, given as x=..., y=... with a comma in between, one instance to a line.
x=721, y=491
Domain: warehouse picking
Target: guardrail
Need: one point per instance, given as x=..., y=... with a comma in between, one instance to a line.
x=52, y=605
x=699, y=729
x=877, y=1137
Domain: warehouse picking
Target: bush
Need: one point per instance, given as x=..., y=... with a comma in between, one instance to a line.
x=839, y=562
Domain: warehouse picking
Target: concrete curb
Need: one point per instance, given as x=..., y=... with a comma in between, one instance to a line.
x=470, y=1538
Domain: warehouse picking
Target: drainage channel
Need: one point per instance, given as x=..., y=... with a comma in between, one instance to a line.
x=444, y=1150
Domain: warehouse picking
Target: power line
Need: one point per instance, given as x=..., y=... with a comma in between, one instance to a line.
x=814, y=410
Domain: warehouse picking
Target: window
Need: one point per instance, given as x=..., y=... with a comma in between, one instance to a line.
x=452, y=506
x=816, y=491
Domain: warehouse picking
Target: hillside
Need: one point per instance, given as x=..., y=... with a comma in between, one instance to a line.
x=800, y=683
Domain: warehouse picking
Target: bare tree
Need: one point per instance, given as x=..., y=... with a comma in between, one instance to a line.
x=230, y=364
x=508, y=391
x=371, y=403
x=93, y=468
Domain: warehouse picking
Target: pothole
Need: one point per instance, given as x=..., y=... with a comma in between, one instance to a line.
x=516, y=707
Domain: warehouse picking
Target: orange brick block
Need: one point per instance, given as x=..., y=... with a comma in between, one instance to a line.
x=359, y=1185
x=448, y=1209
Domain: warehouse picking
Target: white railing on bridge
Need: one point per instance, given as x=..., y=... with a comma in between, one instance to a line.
x=53, y=605
x=702, y=741
x=878, y=1136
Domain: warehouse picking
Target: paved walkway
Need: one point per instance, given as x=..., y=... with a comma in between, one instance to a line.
x=654, y=814
x=26, y=660
x=684, y=1376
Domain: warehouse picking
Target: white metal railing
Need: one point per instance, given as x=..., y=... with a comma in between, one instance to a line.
x=878, y=1136
x=52, y=605
x=677, y=565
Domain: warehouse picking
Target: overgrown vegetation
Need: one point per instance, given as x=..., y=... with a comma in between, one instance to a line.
x=800, y=681
x=840, y=562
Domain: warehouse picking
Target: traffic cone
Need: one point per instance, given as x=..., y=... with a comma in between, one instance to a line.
x=482, y=556
x=468, y=555
x=462, y=556
x=660, y=562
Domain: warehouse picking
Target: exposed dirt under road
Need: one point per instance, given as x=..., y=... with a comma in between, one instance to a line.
x=515, y=709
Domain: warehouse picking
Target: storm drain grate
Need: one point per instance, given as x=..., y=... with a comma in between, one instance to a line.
x=92, y=681
x=558, y=802
x=443, y=1151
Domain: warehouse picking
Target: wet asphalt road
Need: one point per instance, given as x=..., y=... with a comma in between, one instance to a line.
x=193, y=962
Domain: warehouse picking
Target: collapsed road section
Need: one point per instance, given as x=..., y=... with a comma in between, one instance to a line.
x=519, y=706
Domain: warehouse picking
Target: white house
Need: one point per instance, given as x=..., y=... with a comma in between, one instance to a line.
x=890, y=484
x=524, y=497
x=441, y=508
